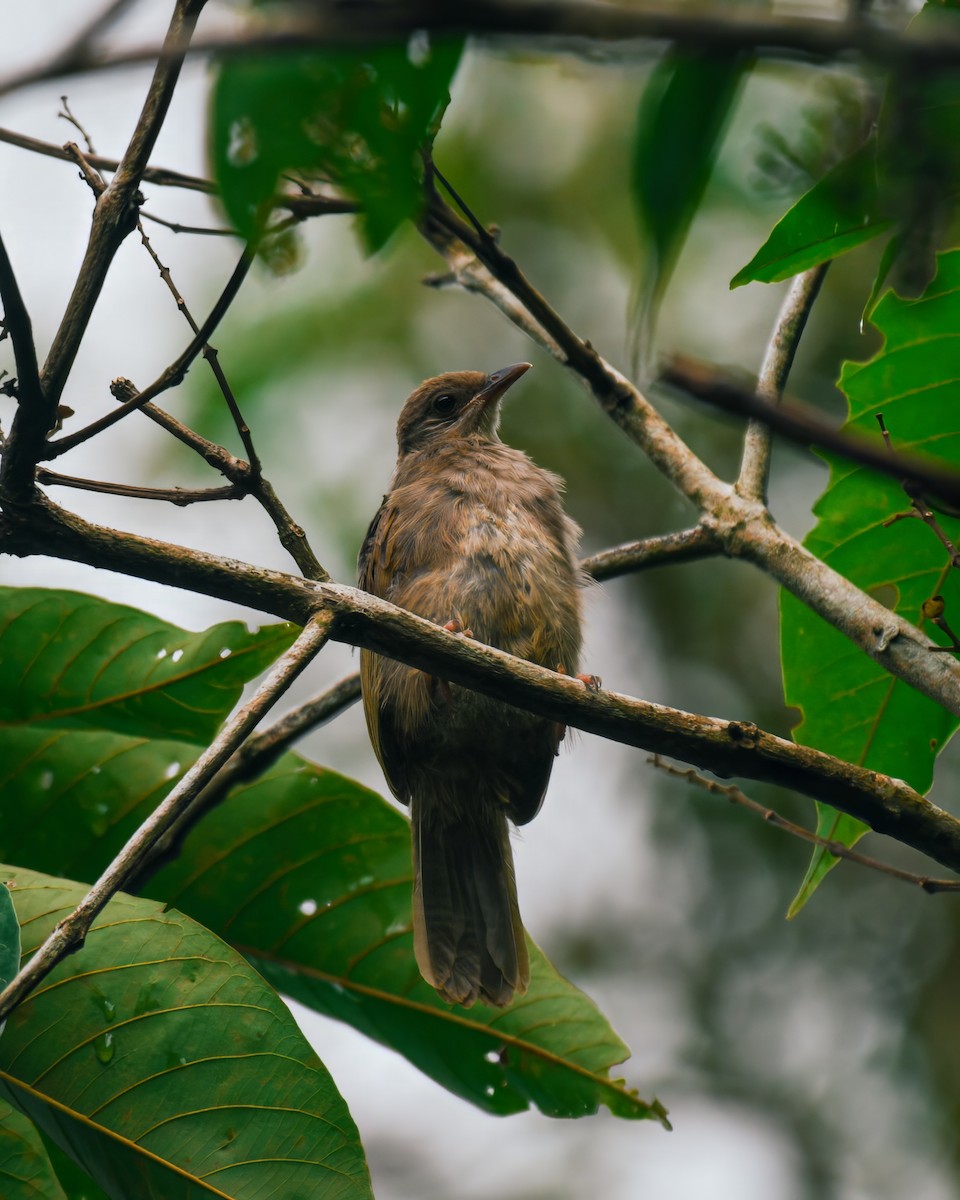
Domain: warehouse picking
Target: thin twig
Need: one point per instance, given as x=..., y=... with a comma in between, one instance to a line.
x=161, y=176
x=168, y=378
x=66, y=114
x=176, y=227
x=176, y=495
x=254, y=757
x=673, y=548
x=209, y=353
x=772, y=817
x=487, y=264
x=806, y=427
x=115, y=213
x=774, y=370
x=69, y=934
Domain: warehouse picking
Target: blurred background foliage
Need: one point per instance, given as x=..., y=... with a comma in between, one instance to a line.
x=813, y=1059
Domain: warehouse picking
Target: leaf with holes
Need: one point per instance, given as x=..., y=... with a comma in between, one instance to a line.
x=166, y=1066
x=851, y=707
x=309, y=875
x=68, y=660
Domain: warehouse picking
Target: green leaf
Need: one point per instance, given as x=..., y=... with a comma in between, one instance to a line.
x=167, y=1067
x=309, y=875
x=302, y=836
x=683, y=114
x=25, y=1169
x=357, y=118
x=841, y=211
x=68, y=660
x=851, y=707
x=75, y=1182
x=9, y=938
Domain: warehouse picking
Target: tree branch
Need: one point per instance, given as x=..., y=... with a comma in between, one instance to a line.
x=772, y=817
x=804, y=425
x=743, y=526
x=70, y=933
x=31, y=421
x=777, y=361
x=727, y=748
x=114, y=215
x=176, y=495
x=575, y=21
x=168, y=378
x=252, y=759
x=687, y=546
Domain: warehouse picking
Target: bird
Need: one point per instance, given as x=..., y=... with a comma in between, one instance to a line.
x=473, y=536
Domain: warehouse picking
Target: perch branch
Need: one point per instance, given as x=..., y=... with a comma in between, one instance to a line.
x=70, y=933
x=742, y=525
x=727, y=748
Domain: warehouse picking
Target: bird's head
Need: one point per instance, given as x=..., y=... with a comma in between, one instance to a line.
x=453, y=406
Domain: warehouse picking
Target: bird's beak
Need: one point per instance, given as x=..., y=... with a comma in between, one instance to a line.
x=498, y=382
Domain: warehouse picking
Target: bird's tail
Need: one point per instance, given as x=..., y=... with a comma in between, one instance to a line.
x=467, y=933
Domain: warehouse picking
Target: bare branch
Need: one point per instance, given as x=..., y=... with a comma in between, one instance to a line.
x=805, y=426
x=727, y=748
x=115, y=212
x=168, y=378
x=32, y=420
x=699, y=542
x=69, y=934
x=160, y=176
x=254, y=757
x=476, y=261
x=725, y=27
x=791, y=321
x=177, y=495
x=772, y=817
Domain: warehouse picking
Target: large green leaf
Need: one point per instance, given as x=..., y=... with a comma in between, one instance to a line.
x=303, y=836
x=851, y=707
x=69, y=660
x=309, y=875
x=166, y=1066
x=682, y=118
x=356, y=117
x=25, y=1169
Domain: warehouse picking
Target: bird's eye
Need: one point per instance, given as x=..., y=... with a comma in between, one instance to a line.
x=444, y=405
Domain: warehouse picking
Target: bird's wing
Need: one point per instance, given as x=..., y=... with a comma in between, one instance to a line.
x=374, y=571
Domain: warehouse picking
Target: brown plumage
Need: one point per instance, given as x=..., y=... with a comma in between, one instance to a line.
x=471, y=535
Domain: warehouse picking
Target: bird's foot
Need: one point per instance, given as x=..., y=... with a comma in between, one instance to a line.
x=592, y=683
x=455, y=626
x=441, y=687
